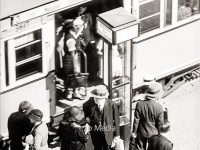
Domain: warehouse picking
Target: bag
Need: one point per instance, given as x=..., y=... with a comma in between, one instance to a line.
x=118, y=144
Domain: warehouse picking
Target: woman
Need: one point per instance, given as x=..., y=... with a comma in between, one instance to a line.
x=73, y=130
x=39, y=134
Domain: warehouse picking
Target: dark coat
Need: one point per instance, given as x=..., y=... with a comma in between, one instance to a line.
x=110, y=118
x=148, y=118
x=19, y=126
x=159, y=142
x=72, y=138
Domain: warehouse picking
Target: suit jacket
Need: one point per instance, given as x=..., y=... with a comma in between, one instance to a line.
x=148, y=118
x=19, y=125
x=159, y=142
x=109, y=120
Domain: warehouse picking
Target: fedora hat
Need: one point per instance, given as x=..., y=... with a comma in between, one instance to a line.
x=75, y=114
x=100, y=92
x=153, y=91
x=36, y=115
x=148, y=79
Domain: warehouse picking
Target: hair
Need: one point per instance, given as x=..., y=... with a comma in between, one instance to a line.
x=72, y=113
x=25, y=107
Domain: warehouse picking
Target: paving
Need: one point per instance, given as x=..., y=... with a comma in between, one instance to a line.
x=184, y=116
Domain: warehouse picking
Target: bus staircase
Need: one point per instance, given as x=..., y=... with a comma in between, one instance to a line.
x=174, y=81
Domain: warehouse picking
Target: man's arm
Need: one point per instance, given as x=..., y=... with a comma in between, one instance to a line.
x=160, y=121
x=136, y=120
x=116, y=119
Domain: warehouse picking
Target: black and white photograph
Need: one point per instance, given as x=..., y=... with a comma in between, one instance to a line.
x=99, y=74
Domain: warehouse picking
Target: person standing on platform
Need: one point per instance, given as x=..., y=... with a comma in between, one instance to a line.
x=148, y=117
x=103, y=117
x=19, y=125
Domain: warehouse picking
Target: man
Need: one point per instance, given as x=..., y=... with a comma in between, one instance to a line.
x=147, y=80
x=19, y=125
x=148, y=117
x=160, y=141
x=103, y=117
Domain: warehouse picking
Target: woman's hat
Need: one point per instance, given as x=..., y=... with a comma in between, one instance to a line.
x=153, y=91
x=36, y=115
x=75, y=114
x=100, y=92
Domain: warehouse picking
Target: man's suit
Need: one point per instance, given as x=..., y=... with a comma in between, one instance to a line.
x=148, y=119
x=159, y=142
x=108, y=119
x=19, y=126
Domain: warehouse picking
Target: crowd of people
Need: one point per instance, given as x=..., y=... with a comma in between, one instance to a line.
x=97, y=118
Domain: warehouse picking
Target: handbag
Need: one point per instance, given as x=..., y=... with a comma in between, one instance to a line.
x=118, y=144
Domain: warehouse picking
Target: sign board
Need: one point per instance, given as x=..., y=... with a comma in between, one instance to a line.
x=117, y=26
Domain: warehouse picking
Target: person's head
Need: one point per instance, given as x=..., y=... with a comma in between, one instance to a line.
x=82, y=10
x=75, y=114
x=25, y=107
x=187, y=3
x=36, y=115
x=148, y=79
x=153, y=91
x=100, y=94
x=77, y=24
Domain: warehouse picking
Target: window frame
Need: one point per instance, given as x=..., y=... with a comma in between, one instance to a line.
x=163, y=28
x=13, y=82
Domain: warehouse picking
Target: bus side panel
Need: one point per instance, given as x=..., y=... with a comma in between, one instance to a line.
x=35, y=93
x=167, y=52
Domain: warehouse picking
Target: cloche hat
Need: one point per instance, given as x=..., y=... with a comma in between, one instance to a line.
x=36, y=115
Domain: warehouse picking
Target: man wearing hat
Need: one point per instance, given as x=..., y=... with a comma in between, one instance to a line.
x=19, y=125
x=148, y=117
x=39, y=134
x=103, y=117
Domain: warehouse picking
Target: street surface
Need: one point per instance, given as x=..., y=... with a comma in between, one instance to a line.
x=184, y=116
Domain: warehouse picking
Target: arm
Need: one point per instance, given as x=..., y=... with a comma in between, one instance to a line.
x=136, y=120
x=116, y=119
x=160, y=121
